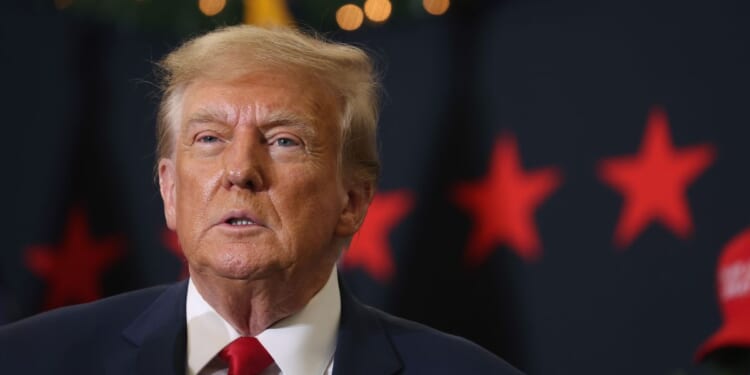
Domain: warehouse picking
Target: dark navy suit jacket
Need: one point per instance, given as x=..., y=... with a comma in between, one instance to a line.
x=144, y=332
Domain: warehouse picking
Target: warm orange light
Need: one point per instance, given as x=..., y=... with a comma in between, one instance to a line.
x=267, y=13
x=211, y=7
x=349, y=17
x=436, y=7
x=62, y=4
x=378, y=10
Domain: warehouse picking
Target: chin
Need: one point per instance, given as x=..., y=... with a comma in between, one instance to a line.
x=241, y=267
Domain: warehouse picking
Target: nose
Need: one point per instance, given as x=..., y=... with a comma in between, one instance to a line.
x=244, y=161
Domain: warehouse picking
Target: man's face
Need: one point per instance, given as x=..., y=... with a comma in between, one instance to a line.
x=253, y=189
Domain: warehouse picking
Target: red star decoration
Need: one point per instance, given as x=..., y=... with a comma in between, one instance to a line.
x=370, y=248
x=73, y=269
x=170, y=240
x=654, y=181
x=504, y=202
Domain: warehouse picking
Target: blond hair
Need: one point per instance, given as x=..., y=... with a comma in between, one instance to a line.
x=231, y=52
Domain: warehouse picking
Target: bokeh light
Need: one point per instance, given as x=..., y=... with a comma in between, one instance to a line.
x=211, y=7
x=349, y=17
x=436, y=7
x=378, y=10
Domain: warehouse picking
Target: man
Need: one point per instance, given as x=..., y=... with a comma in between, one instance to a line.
x=267, y=164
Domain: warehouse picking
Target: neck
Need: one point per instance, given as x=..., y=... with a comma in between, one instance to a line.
x=251, y=306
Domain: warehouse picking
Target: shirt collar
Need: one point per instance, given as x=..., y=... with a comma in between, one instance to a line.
x=300, y=344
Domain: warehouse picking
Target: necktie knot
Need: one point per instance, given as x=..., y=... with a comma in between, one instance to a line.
x=245, y=356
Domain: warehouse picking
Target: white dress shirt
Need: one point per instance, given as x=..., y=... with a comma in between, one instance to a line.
x=301, y=344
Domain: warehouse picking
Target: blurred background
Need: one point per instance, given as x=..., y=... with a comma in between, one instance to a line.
x=559, y=176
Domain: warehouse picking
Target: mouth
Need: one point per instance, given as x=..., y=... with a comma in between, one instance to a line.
x=239, y=219
x=238, y=222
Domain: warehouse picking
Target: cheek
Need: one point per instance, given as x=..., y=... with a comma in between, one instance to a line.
x=312, y=206
x=194, y=190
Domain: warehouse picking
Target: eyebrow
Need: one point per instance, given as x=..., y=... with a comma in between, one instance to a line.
x=207, y=115
x=288, y=119
x=271, y=120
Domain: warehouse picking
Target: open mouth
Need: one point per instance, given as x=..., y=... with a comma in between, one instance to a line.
x=238, y=221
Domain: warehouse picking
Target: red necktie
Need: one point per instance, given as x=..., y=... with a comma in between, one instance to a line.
x=245, y=356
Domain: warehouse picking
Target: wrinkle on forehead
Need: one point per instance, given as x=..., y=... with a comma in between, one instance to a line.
x=300, y=100
x=254, y=114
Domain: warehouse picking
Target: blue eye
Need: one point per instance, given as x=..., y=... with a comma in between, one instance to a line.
x=286, y=142
x=207, y=139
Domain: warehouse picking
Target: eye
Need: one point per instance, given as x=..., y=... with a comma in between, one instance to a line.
x=207, y=139
x=285, y=142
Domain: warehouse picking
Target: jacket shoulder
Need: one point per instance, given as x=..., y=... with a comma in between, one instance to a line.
x=86, y=327
x=105, y=312
x=426, y=350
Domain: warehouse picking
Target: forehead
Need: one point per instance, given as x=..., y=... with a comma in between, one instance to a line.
x=262, y=97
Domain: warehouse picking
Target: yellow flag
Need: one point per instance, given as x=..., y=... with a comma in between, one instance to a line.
x=267, y=13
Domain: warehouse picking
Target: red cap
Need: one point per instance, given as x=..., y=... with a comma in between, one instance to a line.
x=733, y=290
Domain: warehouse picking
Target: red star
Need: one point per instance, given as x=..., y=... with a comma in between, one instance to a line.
x=503, y=204
x=170, y=240
x=370, y=248
x=74, y=268
x=654, y=181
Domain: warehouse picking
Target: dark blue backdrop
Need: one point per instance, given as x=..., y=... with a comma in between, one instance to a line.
x=500, y=123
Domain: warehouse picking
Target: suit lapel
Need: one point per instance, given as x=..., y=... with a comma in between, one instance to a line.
x=159, y=334
x=158, y=337
x=363, y=347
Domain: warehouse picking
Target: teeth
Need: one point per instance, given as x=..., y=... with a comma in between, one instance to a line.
x=240, y=222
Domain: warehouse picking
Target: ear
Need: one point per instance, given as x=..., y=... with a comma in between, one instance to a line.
x=167, y=189
x=357, y=200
